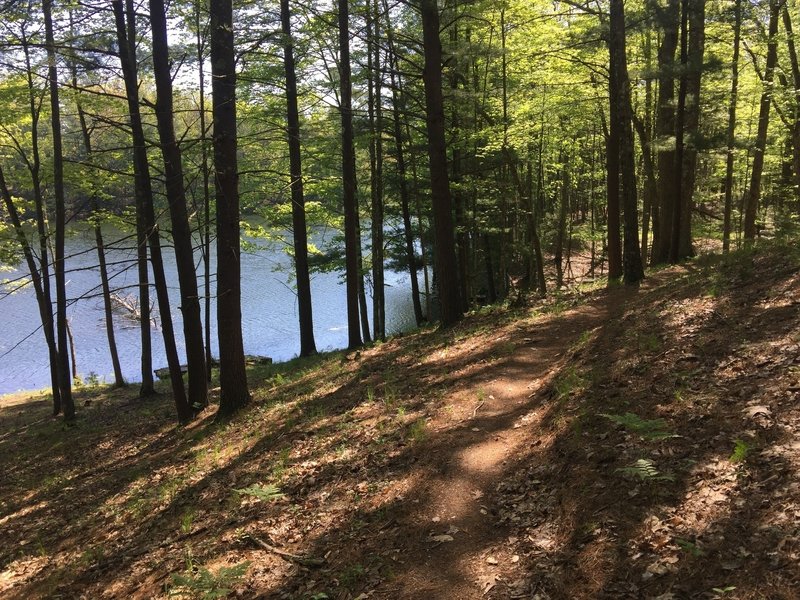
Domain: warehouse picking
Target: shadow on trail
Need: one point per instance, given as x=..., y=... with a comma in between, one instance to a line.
x=555, y=497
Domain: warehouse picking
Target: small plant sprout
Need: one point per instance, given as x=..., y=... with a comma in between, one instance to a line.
x=690, y=547
x=200, y=582
x=416, y=432
x=187, y=519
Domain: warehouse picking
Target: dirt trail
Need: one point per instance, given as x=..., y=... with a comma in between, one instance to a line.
x=464, y=464
x=629, y=444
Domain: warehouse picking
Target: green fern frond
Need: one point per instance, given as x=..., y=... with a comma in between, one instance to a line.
x=265, y=493
x=645, y=469
x=202, y=583
x=653, y=429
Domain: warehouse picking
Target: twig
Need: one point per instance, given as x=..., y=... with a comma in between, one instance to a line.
x=306, y=561
x=477, y=408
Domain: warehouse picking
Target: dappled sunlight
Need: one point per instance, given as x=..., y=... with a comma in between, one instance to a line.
x=603, y=450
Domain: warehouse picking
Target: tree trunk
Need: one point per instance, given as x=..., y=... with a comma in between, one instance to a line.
x=64, y=381
x=795, y=65
x=352, y=241
x=44, y=304
x=119, y=381
x=34, y=167
x=694, y=71
x=665, y=132
x=613, y=178
x=375, y=113
x=444, y=251
x=147, y=387
x=651, y=182
x=408, y=234
x=491, y=289
x=205, y=231
x=232, y=373
x=650, y=185
x=144, y=203
x=299, y=229
x=731, y=131
x=631, y=256
x=754, y=193
x=563, y=210
x=176, y=197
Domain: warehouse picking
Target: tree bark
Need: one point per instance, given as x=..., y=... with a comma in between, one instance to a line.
x=299, y=229
x=232, y=373
x=408, y=233
x=694, y=72
x=64, y=381
x=206, y=229
x=34, y=167
x=145, y=212
x=352, y=240
x=176, y=197
x=665, y=132
x=795, y=65
x=731, y=130
x=444, y=250
x=44, y=304
x=613, y=176
x=631, y=256
x=754, y=192
x=119, y=380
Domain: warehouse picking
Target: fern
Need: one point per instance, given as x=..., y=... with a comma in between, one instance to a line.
x=202, y=583
x=740, y=451
x=652, y=429
x=265, y=493
x=644, y=469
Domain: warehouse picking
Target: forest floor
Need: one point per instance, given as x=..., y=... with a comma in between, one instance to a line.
x=620, y=443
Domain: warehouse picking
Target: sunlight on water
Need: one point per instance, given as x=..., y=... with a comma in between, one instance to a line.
x=269, y=315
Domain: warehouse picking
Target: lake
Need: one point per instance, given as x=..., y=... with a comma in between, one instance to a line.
x=269, y=313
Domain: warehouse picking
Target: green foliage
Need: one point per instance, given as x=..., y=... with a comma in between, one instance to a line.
x=187, y=519
x=92, y=555
x=690, y=547
x=648, y=342
x=200, y=582
x=351, y=576
x=644, y=469
x=651, y=429
x=740, y=451
x=570, y=381
x=389, y=395
x=417, y=430
x=281, y=464
x=262, y=493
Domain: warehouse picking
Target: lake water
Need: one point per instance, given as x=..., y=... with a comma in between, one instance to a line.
x=269, y=314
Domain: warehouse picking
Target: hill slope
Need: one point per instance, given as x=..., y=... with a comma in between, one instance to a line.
x=621, y=443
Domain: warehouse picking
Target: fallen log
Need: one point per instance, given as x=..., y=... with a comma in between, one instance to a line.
x=249, y=359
